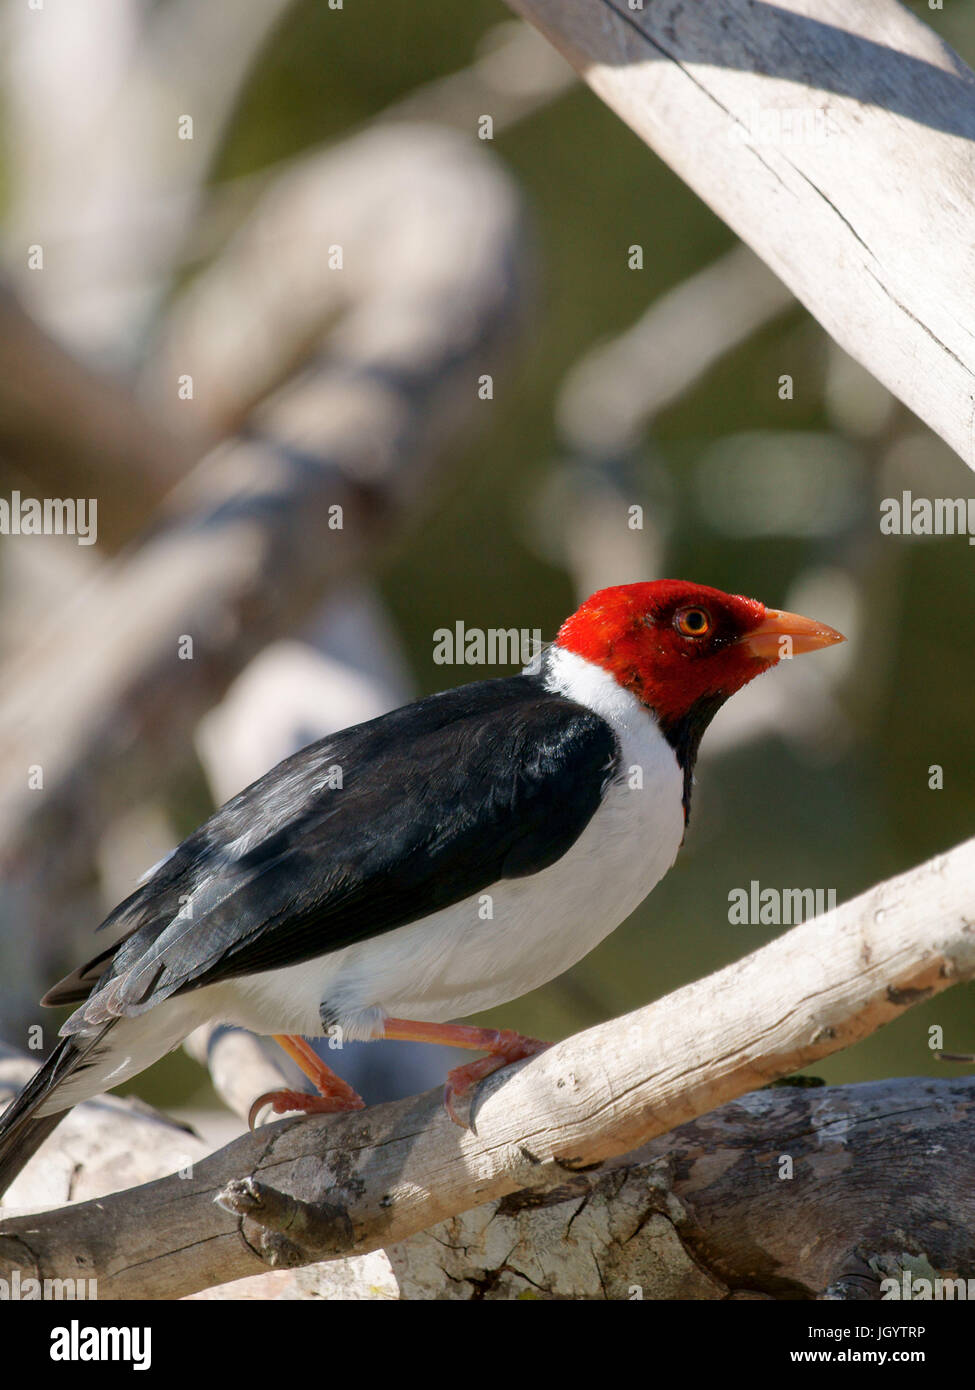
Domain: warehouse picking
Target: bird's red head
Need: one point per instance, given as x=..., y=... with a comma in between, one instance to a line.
x=681, y=647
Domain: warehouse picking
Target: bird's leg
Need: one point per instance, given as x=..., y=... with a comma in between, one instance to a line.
x=501, y=1044
x=334, y=1094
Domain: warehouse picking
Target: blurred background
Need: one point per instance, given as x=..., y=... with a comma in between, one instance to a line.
x=260, y=262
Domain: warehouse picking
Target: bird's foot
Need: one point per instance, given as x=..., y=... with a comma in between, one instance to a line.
x=509, y=1047
x=283, y=1102
x=334, y=1095
x=502, y=1045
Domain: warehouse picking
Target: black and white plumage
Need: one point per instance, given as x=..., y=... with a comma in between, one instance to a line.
x=480, y=842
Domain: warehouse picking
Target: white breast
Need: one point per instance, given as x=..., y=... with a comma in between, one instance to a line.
x=486, y=950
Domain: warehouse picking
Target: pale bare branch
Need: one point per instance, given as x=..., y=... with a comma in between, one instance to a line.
x=305, y=1190
x=834, y=136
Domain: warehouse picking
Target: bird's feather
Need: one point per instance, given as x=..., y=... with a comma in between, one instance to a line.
x=437, y=802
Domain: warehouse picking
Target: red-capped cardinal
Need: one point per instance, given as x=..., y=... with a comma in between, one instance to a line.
x=310, y=901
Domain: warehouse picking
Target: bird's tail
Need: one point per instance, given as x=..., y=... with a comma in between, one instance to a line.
x=22, y=1130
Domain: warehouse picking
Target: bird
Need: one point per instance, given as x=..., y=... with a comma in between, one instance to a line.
x=429, y=864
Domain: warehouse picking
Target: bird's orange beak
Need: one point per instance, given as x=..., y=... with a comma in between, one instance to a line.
x=767, y=641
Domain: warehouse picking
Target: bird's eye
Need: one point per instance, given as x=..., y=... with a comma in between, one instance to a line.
x=692, y=622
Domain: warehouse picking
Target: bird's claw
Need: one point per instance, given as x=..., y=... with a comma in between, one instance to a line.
x=461, y=1081
x=281, y=1102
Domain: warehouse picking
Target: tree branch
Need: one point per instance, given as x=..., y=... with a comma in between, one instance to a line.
x=785, y=1193
x=368, y=1180
x=826, y=134
x=102, y=1145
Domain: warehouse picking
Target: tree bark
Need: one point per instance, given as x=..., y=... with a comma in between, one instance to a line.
x=300, y=1191
x=834, y=136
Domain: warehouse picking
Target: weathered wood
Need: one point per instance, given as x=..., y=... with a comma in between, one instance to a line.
x=377, y=1177
x=834, y=136
x=785, y=1193
x=101, y=1146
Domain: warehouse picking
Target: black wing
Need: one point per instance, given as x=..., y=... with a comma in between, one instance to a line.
x=438, y=801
